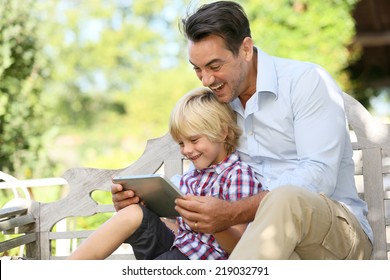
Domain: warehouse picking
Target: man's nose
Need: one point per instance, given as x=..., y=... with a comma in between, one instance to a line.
x=207, y=79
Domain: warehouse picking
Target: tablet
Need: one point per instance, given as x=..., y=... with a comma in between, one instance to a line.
x=158, y=192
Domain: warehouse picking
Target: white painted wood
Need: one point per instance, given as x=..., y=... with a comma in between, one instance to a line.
x=373, y=139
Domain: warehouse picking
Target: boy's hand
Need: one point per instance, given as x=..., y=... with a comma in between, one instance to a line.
x=122, y=198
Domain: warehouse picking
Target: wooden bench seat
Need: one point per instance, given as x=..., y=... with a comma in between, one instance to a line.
x=36, y=220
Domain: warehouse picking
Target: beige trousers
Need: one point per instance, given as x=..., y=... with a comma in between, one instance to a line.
x=294, y=223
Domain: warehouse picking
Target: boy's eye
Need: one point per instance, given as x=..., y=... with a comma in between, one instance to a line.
x=215, y=67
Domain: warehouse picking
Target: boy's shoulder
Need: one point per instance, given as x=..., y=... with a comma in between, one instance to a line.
x=236, y=165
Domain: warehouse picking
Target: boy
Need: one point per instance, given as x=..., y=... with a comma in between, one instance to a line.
x=207, y=133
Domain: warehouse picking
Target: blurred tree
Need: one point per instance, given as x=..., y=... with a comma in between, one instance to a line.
x=100, y=48
x=312, y=30
x=22, y=71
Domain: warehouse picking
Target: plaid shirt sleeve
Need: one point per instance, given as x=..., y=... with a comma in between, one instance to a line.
x=241, y=182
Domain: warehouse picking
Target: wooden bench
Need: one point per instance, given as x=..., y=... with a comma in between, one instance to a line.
x=35, y=221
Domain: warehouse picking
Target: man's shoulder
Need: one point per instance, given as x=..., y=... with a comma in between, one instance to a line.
x=294, y=66
x=292, y=72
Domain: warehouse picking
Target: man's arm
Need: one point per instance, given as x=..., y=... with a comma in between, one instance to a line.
x=320, y=133
x=214, y=215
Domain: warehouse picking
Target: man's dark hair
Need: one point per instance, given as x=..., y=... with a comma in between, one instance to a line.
x=222, y=18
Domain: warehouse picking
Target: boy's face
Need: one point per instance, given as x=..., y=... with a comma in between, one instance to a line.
x=217, y=67
x=201, y=151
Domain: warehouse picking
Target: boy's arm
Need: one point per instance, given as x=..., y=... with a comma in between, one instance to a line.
x=229, y=238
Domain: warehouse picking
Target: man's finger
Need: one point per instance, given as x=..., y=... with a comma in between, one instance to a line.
x=188, y=215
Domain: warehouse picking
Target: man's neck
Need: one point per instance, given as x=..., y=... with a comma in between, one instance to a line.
x=252, y=80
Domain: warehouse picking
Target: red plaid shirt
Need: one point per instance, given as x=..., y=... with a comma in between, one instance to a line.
x=231, y=180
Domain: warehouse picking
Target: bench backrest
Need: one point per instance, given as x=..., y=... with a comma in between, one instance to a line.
x=372, y=151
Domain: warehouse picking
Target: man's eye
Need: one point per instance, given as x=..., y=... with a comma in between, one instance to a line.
x=215, y=67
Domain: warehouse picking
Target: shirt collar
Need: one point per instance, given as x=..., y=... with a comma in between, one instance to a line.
x=266, y=83
x=220, y=167
x=267, y=80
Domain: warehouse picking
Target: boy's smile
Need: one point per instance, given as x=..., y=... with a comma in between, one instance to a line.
x=202, y=152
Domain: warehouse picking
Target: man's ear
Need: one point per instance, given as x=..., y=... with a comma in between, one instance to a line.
x=247, y=48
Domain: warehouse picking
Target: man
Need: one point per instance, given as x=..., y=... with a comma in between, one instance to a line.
x=294, y=135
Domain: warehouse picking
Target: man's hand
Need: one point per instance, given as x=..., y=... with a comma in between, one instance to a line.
x=205, y=213
x=122, y=198
x=208, y=214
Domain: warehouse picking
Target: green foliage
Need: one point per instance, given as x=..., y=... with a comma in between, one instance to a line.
x=115, y=74
x=312, y=30
x=22, y=71
x=100, y=49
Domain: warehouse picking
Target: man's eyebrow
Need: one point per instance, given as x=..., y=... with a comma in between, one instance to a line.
x=209, y=63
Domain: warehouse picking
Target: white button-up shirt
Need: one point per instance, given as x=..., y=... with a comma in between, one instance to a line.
x=295, y=132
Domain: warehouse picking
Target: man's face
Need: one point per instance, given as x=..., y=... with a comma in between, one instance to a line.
x=217, y=67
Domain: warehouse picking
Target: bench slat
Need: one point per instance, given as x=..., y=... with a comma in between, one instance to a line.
x=373, y=185
x=12, y=211
x=70, y=234
x=112, y=257
x=17, y=222
x=18, y=241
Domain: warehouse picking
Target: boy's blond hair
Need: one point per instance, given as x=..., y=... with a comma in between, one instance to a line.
x=200, y=113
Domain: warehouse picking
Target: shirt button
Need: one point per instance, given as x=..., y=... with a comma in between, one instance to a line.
x=251, y=133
